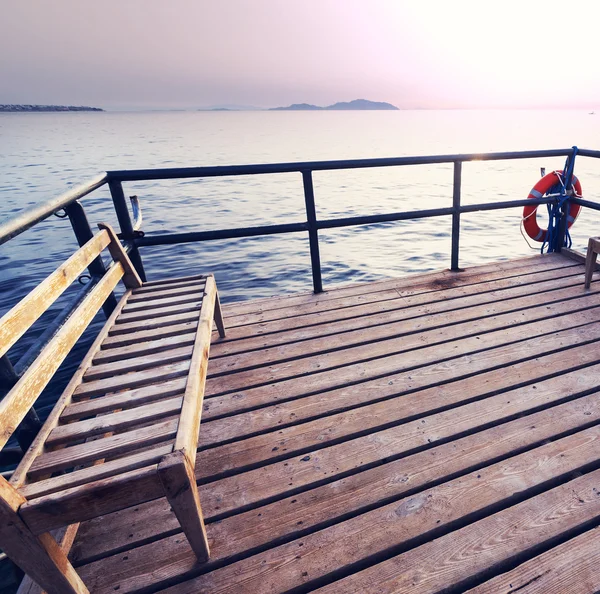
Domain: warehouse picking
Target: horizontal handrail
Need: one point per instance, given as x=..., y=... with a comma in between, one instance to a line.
x=29, y=217
x=267, y=168
x=240, y=232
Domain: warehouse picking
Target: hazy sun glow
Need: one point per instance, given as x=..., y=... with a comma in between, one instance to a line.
x=191, y=53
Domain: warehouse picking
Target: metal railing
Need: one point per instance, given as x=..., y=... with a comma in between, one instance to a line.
x=134, y=238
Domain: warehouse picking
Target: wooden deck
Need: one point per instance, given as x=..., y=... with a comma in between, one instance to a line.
x=439, y=432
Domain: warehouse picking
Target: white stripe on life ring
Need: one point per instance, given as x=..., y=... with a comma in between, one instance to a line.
x=535, y=193
x=571, y=219
x=539, y=235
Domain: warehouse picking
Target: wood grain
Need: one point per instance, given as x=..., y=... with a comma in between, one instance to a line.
x=21, y=317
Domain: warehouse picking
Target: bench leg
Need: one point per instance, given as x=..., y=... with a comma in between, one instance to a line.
x=590, y=261
x=177, y=476
x=219, y=316
x=40, y=557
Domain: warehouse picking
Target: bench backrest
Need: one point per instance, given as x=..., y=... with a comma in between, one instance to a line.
x=15, y=405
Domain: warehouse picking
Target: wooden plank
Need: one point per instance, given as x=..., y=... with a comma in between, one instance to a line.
x=380, y=403
x=462, y=555
x=131, y=380
x=191, y=410
x=442, y=278
x=102, y=448
x=275, y=465
x=22, y=316
x=162, y=322
x=573, y=567
x=247, y=392
x=19, y=476
x=418, y=287
x=151, y=293
x=139, y=363
x=144, y=348
x=14, y=406
x=159, y=312
x=176, y=473
x=90, y=474
x=458, y=323
x=149, y=335
x=172, y=280
x=420, y=517
x=39, y=556
x=241, y=339
x=131, y=278
x=91, y=500
x=123, y=400
x=327, y=504
x=413, y=305
x=117, y=421
x=154, y=303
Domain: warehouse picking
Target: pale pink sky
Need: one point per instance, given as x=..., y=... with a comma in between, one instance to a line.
x=193, y=53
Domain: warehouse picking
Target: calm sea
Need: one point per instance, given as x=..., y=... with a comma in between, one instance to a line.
x=41, y=155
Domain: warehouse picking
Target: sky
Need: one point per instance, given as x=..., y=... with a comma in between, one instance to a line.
x=425, y=54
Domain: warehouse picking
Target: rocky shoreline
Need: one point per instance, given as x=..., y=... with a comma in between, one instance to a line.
x=30, y=108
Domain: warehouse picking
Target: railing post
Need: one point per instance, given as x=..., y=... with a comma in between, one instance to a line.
x=456, y=216
x=313, y=232
x=564, y=209
x=118, y=198
x=83, y=233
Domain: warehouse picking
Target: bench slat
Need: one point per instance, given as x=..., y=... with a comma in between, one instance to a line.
x=115, y=368
x=103, y=448
x=93, y=473
x=92, y=500
x=131, y=380
x=155, y=303
x=117, y=421
x=124, y=400
x=156, y=323
x=144, y=348
x=146, y=335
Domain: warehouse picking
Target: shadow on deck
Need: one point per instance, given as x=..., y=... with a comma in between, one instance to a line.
x=414, y=435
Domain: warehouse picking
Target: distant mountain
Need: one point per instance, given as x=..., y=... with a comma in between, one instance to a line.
x=29, y=108
x=297, y=107
x=357, y=104
x=362, y=104
x=230, y=107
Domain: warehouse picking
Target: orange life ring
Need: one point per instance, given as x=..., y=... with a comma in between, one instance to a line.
x=541, y=188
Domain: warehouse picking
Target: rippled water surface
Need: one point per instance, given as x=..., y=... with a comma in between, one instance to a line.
x=41, y=155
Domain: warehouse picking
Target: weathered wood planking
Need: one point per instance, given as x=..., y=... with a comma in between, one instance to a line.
x=471, y=319
x=351, y=411
x=572, y=567
x=329, y=503
x=301, y=466
x=404, y=304
x=419, y=518
x=243, y=339
x=443, y=278
x=460, y=556
x=424, y=363
x=435, y=344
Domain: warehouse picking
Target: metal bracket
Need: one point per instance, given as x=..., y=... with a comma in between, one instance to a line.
x=137, y=220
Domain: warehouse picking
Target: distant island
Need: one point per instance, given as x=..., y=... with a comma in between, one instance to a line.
x=357, y=104
x=30, y=108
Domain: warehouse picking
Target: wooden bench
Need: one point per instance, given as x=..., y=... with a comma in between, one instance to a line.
x=125, y=429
